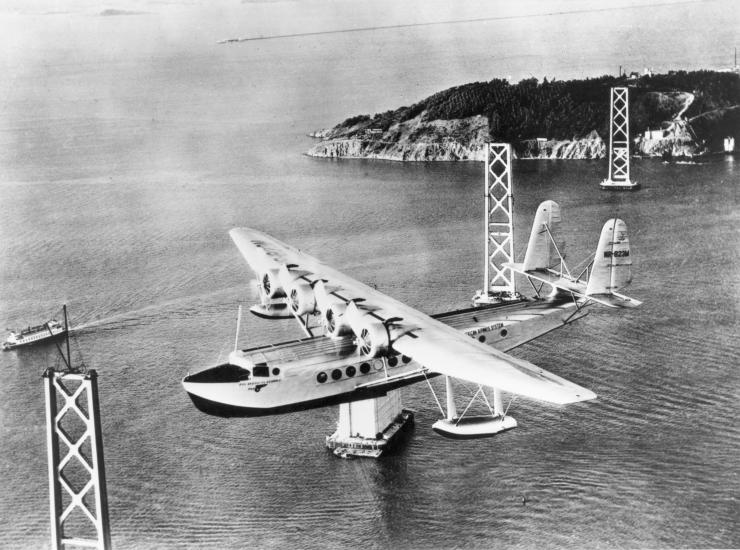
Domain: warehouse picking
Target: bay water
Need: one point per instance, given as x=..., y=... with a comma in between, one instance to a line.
x=131, y=142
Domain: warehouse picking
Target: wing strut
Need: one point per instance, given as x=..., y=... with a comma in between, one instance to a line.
x=424, y=371
x=461, y=426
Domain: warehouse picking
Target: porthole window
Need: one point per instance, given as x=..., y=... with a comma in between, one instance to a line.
x=275, y=371
x=405, y=359
x=321, y=377
x=392, y=361
x=503, y=332
x=482, y=338
x=336, y=374
x=378, y=365
x=350, y=371
x=365, y=368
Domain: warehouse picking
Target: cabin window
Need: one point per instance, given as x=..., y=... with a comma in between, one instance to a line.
x=482, y=338
x=321, y=377
x=275, y=371
x=365, y=368
x=392, y=361
x=503, y=332
x=350, y=371
x=336, y=374
x=261, y=369
x=405, y=359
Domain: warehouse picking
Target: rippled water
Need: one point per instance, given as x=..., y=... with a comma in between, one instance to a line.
x=120, y=207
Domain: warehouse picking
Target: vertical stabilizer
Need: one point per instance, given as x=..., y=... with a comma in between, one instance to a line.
x=612, y=267
x=546, y=248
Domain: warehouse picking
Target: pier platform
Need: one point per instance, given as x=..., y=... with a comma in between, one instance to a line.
x=359, y=446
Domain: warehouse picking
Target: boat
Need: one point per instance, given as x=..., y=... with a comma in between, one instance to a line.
x=34, y=335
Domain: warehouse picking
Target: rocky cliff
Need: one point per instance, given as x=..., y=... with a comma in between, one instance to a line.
x=449, y=140
x=589, y=147
x=411, y=140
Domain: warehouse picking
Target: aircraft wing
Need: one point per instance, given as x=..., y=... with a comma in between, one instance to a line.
x=433, y=344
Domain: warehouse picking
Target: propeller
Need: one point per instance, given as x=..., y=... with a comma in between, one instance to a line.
x=373, y=338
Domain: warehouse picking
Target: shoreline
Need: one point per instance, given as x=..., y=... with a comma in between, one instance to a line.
x=455, y=124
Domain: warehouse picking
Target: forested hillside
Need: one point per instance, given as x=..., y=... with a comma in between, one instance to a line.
x=563, y=109
x=555, y=110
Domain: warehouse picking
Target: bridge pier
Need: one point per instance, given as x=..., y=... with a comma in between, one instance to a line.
x=370, y=427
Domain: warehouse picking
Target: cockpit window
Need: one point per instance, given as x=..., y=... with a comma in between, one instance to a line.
x=260, y=369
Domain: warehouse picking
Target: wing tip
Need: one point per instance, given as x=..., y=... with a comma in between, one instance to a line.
x=581, y=394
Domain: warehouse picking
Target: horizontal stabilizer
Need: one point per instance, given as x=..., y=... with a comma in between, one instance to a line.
x=552, y=278
x=577, y=287
x=610, y=270
x=614, y=300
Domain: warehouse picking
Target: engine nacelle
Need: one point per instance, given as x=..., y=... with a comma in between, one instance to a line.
x=335, y=323
x=301, y=297
x=373, y=339
x=270, y=285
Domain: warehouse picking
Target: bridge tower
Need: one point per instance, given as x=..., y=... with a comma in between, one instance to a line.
x=498, y=282
x=77, y=490
x=619, y=139
x=83, y=505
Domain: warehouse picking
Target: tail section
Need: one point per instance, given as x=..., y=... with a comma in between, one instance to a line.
x=612, y=267
x=546, y=248
x=610, y=270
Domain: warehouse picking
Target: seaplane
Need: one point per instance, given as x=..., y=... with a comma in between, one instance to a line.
x=362, y=344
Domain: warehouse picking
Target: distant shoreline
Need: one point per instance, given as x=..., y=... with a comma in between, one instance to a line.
x=547, y=120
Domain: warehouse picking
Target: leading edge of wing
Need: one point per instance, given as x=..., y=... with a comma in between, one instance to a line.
x=433, y=344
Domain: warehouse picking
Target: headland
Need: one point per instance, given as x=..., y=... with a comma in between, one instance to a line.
x=678, y=114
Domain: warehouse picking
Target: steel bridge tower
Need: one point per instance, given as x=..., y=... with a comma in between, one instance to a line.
x=77, y=490
x=498, y=281
x=619, y=139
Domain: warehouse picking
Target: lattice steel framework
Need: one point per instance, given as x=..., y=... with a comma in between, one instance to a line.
x=80, y=472
x=499, y=248
x=619, y=138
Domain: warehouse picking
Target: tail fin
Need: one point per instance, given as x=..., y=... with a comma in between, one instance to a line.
x=612, y=267
x=546, y=247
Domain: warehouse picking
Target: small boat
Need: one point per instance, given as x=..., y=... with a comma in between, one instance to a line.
x=33, y=335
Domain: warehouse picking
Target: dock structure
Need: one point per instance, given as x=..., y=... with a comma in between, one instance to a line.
x=78, y=497
x=498, y=282
x=619, y=138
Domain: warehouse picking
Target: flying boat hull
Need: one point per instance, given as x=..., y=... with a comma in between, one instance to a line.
x=318, y=372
